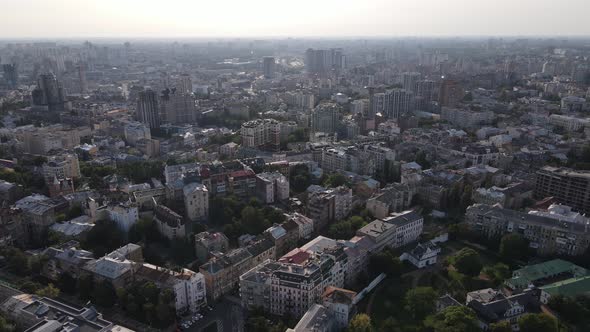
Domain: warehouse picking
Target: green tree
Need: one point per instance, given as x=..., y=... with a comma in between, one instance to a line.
x=103, y=238
x=85, y=286
x=384, y=262
x=513, y=247
x=104, y=294
x=455, y=318
x=467, y=261
x=537, y=323
x=17, y=262
x=390, y=324
x=360, y=323
x=503, y=326
x=67, y=283
x=299, y=178
x=48, y=291
x=6, y=326
x=420, y=302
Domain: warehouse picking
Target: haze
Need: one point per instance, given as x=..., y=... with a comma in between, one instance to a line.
x=233, y=18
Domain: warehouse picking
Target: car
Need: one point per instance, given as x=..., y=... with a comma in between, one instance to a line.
x=209, y=308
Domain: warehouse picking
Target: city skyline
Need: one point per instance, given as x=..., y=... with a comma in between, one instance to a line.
x=264, y=18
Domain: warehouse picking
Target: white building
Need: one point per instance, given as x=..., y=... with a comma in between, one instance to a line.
x=569, y=123
x=261, y=132
x=196, y=201
x=304, y=223
x=189, y=291
x=124, y=216
x=272, y=187
x=423, y=255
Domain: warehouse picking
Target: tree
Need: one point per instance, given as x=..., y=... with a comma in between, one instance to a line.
x=384, y=262
x=5, y=326
x=513, y=247
x=503, y=326
x=390, y=324
x=335, y=180
x=360, y=323
x=103, y=238
x=104, y=294
x=537, y=323
x=467, y=261
x=17, y=262
x=299, y=178
x=420, y=302
x=454, y=318
x=85, y=286
x=67, y=283
x=48, y=291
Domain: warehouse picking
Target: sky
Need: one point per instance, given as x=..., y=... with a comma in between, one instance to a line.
x=293, y=18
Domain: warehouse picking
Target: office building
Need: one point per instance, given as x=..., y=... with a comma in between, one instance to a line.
x=10, y=74
x=324, y=118
x=148, y=110
x=50, y=93
x=268, y=64
x=451, y=93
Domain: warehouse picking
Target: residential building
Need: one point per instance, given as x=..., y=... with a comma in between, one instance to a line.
x=324, y=118
x=42, y=314
x=393, y=198
x=196, y=201
x=272, y=187
x=466, y=118
x=170, y=224
x=64, y=166
x=261, y=133
x=567, y=186
x=207, y=243
x=423, y=255
x=148, y=109
x=124, y=215
x=394, y=231
x=546, y=235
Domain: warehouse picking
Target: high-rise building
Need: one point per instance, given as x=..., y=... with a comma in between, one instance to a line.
x=567, y=186
x=82, y=77
x=49, y=92
x=451, y=93
x=177, y=107
x=324, y=61
x=409, y=80
x=268, y=63
x=261, y=132
x=324, y=118
x=185, y=84
x=423, y=95
x=10, y=74
x=392, y=103
x=148, y=111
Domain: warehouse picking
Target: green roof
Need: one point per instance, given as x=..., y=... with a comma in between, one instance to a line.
x=569, y=287
x=529, y=274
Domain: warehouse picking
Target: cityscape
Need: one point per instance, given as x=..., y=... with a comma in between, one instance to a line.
x=412, y=179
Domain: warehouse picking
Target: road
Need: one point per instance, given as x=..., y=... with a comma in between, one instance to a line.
x=227, y=314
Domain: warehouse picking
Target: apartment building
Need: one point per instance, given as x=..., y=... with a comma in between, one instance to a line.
x=394, y=231
x=567, y=186
x=547, y=235
x=261, y=133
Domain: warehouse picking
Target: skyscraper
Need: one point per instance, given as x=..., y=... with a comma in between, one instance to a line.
x=82, y=77
x=11, y=74
x=185, y=84
x=148, y=110
x=49, y=92
x=324, y=61
x=324, y=118
x=268, y=63
x=451, y=93
x=177, y=107
x=409, y=80
x=423, y=95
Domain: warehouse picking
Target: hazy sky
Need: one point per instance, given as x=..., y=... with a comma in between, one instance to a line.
x=204, y=18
